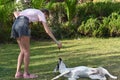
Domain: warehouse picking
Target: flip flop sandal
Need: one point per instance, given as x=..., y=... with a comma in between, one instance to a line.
x=30, y=76
x=18, y=75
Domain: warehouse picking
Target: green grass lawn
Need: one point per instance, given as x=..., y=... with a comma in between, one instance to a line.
x=92, y=52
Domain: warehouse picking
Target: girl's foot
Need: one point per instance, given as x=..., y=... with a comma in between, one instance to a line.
x=28, y=76
x=18, y=75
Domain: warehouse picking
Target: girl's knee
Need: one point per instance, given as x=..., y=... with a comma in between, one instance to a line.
x=21, y=52
x=26, y=51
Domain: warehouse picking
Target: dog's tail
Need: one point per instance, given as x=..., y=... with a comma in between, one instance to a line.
x=107, y=73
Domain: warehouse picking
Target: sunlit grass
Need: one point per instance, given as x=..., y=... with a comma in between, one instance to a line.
x=91, y=52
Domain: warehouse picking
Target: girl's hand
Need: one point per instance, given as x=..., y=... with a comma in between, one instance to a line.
x=59, y=45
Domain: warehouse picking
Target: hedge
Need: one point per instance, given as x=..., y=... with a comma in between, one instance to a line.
x=92, y=19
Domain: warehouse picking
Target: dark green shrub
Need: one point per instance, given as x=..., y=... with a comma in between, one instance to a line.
x=91, y=19
x=70, y=6
x=103, y=30
x=96, y=10
x=69, y=30
x=38, y=3
x=6, y=19
x=89, y=28
x=106, y=24
x=38, y=32
x=57, y=17
x=104, y=27
x=114, y=24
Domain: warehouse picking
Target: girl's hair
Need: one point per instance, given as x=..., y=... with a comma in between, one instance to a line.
x=45, y=11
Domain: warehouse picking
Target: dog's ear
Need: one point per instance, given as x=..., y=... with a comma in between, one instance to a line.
x=60, y=59
x=56, y=68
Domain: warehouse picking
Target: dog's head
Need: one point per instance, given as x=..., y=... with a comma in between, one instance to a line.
x=60, y=66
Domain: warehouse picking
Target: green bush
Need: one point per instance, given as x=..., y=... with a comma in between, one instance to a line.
x=114, y=24
x=96, y=10
x=101, y=13
x=38, y=32
x=105, y=27
x=6, y=19
x=89, y=28
x=70, y=6
x=99, y=19
x=57, y=12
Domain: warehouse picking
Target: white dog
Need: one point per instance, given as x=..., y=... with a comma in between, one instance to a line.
x=81, y=71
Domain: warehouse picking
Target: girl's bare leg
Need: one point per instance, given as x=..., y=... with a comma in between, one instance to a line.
x=23, y=43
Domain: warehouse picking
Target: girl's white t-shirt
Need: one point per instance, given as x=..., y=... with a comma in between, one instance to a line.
x=34, y=15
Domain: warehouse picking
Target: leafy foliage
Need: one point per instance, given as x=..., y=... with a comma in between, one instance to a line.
x=68, y=19
x=107, y=26
x=89, y=27
x=70, y=6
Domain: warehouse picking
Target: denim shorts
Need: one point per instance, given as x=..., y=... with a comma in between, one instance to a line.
x=20, y=27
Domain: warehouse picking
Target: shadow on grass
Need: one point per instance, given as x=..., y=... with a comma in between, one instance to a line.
x=44, y=57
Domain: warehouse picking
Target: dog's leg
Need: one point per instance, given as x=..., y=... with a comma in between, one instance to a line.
x=66, y=72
